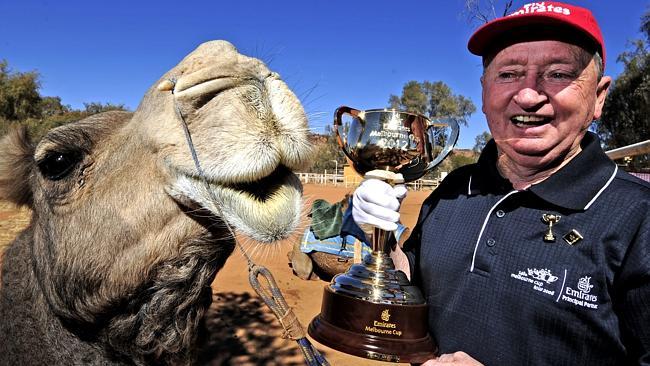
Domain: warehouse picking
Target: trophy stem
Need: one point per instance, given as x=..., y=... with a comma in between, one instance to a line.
x=380, y=239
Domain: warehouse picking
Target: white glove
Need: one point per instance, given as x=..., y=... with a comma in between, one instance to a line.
x=376, y=203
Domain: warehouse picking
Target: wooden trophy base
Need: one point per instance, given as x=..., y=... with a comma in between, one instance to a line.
x=377, y=331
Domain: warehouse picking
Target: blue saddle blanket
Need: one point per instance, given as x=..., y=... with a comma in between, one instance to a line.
x=340, y=245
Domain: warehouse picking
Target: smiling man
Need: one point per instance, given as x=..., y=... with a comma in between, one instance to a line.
x=538, y=253
x=539, y=97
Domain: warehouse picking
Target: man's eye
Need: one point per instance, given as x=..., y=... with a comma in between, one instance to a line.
x=57, y=165
x=559, y=76
x=506, y=75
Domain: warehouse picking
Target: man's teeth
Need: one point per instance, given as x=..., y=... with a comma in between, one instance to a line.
x=528, y=119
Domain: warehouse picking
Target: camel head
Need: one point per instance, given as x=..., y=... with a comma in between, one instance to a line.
x=122, y=216
x=249, y=131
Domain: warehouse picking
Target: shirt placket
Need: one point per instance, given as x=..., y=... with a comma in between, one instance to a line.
x=485, y=248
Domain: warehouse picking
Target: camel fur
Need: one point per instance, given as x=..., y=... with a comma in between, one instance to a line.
x=126, y=237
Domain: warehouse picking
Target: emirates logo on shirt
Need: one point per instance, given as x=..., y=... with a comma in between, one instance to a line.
x=581, y=296
x=584, y=286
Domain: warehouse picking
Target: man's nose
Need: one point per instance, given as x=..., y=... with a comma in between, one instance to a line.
x=531, y=93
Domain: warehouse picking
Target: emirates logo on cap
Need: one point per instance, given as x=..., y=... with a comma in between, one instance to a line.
x=540, y=14
x=542, y=7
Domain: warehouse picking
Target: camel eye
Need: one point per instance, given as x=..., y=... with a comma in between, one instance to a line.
x=57, y=165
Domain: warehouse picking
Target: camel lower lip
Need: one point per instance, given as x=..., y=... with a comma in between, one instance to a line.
x=266, y=210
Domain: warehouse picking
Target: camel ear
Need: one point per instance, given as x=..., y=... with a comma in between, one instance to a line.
x=16, y=164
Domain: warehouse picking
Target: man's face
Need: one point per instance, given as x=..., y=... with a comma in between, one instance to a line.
x=539, y=98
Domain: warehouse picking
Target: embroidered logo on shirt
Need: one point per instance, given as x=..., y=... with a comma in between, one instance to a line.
x=583, y=284
x=538, y=278
x=581, y=296
x=546, y=282
x=542, y=275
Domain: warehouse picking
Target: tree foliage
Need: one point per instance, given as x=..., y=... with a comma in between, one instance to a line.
x=22, y=103
x=625, y=119
x=98, y=107
x=481, y=140
x=432, y=99
x=19, y=97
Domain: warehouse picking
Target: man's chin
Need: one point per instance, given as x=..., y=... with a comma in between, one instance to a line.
x=537, y=157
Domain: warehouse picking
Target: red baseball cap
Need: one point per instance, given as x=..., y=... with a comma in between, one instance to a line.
x=547, y=13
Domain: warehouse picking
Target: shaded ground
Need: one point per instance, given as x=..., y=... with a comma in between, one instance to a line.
x=241, y=329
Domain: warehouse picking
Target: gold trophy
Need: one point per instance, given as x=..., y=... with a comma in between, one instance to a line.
x=372, y=310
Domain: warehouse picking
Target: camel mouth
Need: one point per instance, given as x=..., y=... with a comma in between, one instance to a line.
x=266, y=210
x=263, y=189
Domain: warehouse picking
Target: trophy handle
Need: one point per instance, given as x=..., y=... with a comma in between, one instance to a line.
x=449, y=144
x=338, y=123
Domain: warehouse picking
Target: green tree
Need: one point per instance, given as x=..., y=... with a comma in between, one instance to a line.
x=432, y=99
x=625, y=116
x=413, y=98
x=481, y=140
x=52, y=106
x=98, y=107
x=19, y=96
x=22, y=103
x=443, y=103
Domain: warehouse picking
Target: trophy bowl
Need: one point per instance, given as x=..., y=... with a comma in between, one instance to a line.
x=372, y=310
x=390, y=140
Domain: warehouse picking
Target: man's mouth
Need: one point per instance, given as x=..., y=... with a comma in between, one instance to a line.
x=521, y=120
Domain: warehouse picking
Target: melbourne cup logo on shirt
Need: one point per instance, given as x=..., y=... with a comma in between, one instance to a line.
x=543, y=281
x=539, y=278
x=541, y=7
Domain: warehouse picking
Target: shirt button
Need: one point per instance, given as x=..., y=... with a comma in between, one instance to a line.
x=500, y=213
x=490, y=242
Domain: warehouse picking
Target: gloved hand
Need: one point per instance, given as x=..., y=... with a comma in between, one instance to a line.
x=376, y=203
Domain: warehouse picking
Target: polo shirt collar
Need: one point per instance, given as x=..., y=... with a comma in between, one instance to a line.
x=575, y=186
x=486, y=178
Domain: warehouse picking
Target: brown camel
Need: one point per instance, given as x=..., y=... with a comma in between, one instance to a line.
x=126, y=236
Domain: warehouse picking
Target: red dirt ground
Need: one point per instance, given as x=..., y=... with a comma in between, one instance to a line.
x=243, y=331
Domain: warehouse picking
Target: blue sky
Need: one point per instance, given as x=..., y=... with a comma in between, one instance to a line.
x=331, y=53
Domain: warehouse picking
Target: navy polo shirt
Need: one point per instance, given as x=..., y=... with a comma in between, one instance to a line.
x=498, y=290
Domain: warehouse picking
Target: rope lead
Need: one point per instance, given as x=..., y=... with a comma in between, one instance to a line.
x=288, y=319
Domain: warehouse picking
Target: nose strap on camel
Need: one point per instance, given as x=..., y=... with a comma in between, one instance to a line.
x=272, y=295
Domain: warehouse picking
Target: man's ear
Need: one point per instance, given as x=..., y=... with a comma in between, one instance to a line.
x=601, y=95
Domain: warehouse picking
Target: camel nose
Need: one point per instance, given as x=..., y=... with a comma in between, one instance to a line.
x=290, y=123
